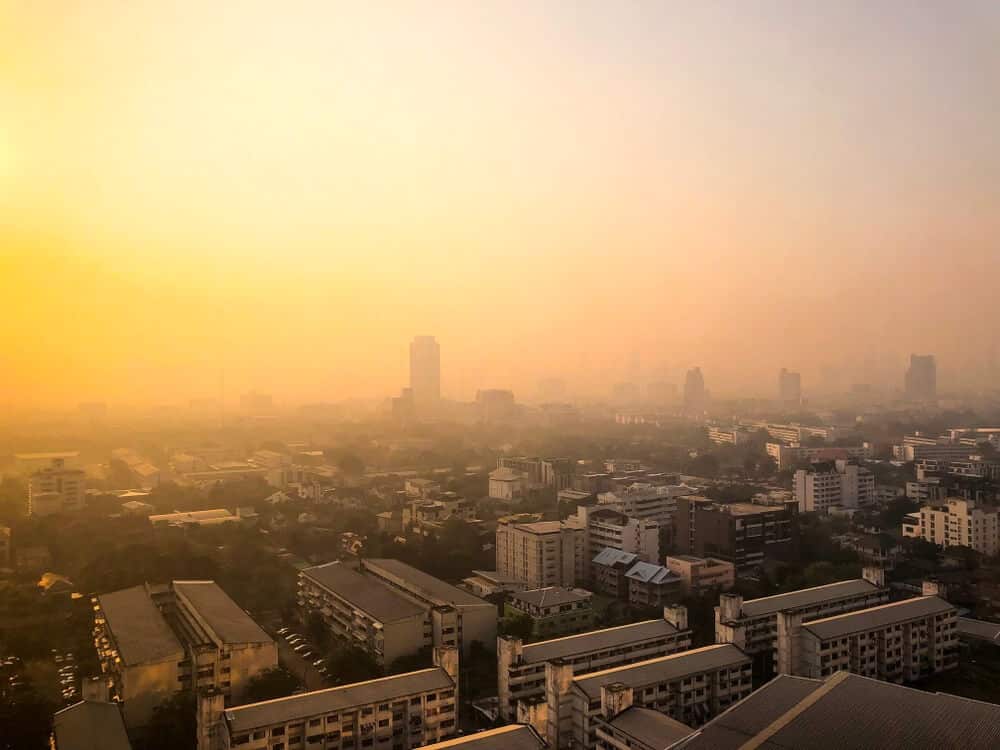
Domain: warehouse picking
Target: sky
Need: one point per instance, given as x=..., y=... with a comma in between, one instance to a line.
x=288, y=191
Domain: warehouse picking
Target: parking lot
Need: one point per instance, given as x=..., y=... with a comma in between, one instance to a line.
x=301, y=658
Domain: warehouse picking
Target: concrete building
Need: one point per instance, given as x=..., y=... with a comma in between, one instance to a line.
x=652, y=586
x=903, y=641
x=629, y=727
x=521, y=667
x=456, y=617
x=690, y=687
x=187, y=635
x=699, y=574
x=495, y=405
x=510, y=737
x=483, y=583
x=646, y=501
x=540, y=553
x=400, y=712
x=601, y=528
x=553, y=611
x=789, y=388
x=848, y=711
x=89, y=725
x=194, y=518
x=425, y=374
x=920, y=382
x=556, y=473
x=376, y=618
x=508, y=485
x=56, y=489
x=790, y=455
x=728, y=435
x=753, y=624
x=957, y=523
x=695, y=395
x=743, y=534
x=607, y=572
x=840, y=484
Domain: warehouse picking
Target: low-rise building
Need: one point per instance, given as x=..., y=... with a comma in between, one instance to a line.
x=188, y=635
x=690, y=687
x=608, y=570
x=699, y=574
x=510, y=737
x=601, y=527
x=553, y=611
x=521, y=667
x=212, y=517
x=56, y=488
x=743, y=534
x=89, y=725
x=956, y=523
x=628, y=727
x=402, y=712
x=753, y=624
x=508, y=485
x=483, y=583
x=652, y=585
x=902, y=641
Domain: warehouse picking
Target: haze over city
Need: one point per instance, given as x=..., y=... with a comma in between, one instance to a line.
x=282, y=195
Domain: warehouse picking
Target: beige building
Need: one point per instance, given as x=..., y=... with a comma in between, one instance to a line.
x=212, y=517
x=899, y=642
x=690, y=687
x=834, y=484
x=510, y=737
x=553, y=611
x=600, y=527
x=521, y=667
x=56, y=489
x=698, y=574
x=957, y=523
x=89, y=725
x=753, y=625
x=400, y=712
x=153, y=641
x=540, y=553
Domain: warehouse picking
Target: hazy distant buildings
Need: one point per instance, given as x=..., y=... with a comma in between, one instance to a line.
x=256, y=403
x=495, y=405
x=56, y=489
x=920, y=382
x=789, y=387
x=695, y=400
x=425, y=374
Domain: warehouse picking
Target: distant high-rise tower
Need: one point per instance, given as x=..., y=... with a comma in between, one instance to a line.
x=425, y=373
x=694, y=391
x=789, y=387
x=920, y=382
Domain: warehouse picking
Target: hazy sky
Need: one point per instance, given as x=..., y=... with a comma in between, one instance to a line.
x=291, y=190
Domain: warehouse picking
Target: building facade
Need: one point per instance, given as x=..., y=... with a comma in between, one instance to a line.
x=957, y=523
x=743, y=534
x=56, y=488
x=834, y=484
x=699, y=574
x=553, y=611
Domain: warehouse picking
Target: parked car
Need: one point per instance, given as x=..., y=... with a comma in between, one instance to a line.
x=284, y=631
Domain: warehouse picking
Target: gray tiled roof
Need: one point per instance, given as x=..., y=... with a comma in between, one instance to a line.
x=664, y=668
x=364, y=592
x=510, y=737
x=807, y=597
x=222, y=614
x=550, y=596
x=426, y=584
x=140, y=632
x=988, y=631
x=741, y=722
x=611, y=556
x=331, y=700
x=90, y=725
x=650, y=727
x=876, y=617
x=596, y=640
x=650, y=573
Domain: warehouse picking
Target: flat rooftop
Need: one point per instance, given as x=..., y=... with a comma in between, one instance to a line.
x=650, y=727
x=987, y=631
x=510, y=737
x=90, y=725
x=224, y=616
x=807, y=597
x=551, y=596
x=664, y=668
x=877, y=617
x=140, y=632
x=332, y=700
x=596, y=640
x=426, y=585
x=363, y=592
x=540, y=527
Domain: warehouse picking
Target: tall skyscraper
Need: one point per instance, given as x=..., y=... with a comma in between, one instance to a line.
x=694, y=391
x=789, y=387
x=920, y=382
x=425, y=373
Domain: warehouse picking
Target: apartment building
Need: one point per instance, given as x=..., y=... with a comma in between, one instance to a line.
x=957, y=523
x=753, y=624
x=400, y=712
x=89, y=725
x=690, y=687
x=788, y=456
x=457, y=618
x=521, y=667
x=652, y=586
x=600, y=528
x=57, y=488
x=540, y=553
x=839, y=484
x=511, y=737
x=153, y=641
x=628, y=727
x=553, y=611
x=699, y=574
x=376, y=618
x=901, y=642
x=508, y=485
x=646, y=501
x=541, y=472
x=739, y=533
x=728, y=435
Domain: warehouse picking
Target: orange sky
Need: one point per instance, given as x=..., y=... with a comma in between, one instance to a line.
x=291, y=190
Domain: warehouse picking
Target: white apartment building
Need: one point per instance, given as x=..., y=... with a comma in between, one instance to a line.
x=56, y=489
x=521, y=666
x=789, y=455
x=841, y=484
x=728, y=435
x=540, y=553
x=957, y=523
x=602, y=528
x=508, y=485
x=647, y=501
x=400, y=712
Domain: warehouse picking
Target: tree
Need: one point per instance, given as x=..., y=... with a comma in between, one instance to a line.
x=25, y=721
x=174, y=724
x=270, y=684
x=519, y=626
x=349, y=664
x=351, y=464
x=317, y=630
x=422, y=659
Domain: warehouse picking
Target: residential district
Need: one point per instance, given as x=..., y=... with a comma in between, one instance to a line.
x=657, y=570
